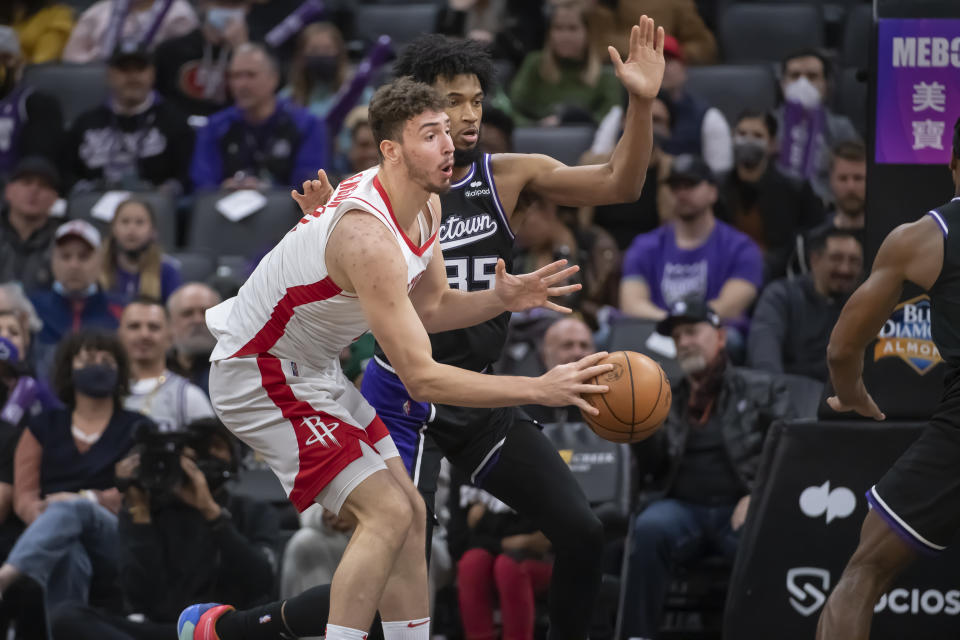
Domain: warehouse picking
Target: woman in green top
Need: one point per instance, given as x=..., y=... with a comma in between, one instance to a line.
x=566, y=73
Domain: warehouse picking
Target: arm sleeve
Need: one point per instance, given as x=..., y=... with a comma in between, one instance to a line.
x=143, y=577
x=44, y=127
x=312, y=154
x=768, y=330
x=206, y=168
x=717, y=141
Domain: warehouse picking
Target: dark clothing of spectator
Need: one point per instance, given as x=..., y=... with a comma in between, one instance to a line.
x=198, y=373
x=771, y=211
x=150, y=149
x=192, y=74
x=747, y=402
x=62, y=314
x=179, y=558
x=127, y=286
x=26, y=261
x=31, y=124
x=626, y=220
x=686, y=126
x=63, y=467
x=284, y=150
x=703, y=461
x=791, y=328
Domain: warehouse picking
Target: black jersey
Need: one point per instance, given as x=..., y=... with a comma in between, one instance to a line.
x=474, y=234
x=945, y=292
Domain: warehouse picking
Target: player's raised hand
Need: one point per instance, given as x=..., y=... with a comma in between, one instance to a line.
x=315, y=193
x=565, y=384
x=531, y=290
x=642, y=73
x=861, y=402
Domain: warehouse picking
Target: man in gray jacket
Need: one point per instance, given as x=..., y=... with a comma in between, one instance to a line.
x=704, y=460
x=793, y=319
x=26, y=228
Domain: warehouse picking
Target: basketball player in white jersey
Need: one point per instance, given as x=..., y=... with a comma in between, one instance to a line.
x=363, y=261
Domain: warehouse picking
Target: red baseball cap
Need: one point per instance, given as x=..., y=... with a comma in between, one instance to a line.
x=671, y=48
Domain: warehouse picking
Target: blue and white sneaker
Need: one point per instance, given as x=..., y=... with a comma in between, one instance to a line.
x=198, y=621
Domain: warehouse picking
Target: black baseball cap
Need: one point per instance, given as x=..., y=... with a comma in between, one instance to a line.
x=688, y=311
x=130, y=53
x=690, y=169
x=37, y=166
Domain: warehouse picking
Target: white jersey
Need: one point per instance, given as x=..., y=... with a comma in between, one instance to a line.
x=290, y=307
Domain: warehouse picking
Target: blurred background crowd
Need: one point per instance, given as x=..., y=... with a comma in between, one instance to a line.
x=147, y=153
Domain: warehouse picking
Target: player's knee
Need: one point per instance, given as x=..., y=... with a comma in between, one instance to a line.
x=395, y=516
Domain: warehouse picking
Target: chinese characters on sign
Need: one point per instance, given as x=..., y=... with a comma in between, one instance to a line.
x=918, y=90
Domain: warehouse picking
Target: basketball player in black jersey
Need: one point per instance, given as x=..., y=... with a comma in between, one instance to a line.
x=916, y=505
x=502, y=450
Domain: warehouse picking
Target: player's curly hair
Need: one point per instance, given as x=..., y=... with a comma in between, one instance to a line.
x=433, y=55
x=395, y=103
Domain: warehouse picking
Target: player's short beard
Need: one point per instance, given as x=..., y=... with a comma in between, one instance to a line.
x=421, y=178
x=466, y=157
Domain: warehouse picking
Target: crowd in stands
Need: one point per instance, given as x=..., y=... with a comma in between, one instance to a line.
x=735, y=261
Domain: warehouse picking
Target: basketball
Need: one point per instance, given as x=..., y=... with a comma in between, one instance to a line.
x=636, y=404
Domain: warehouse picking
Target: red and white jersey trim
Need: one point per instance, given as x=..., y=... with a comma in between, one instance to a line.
x=289, y=307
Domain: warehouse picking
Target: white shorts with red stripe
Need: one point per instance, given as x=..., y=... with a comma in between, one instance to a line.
x=311, y=425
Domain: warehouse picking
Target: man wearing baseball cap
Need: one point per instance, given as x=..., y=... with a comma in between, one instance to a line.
x=694, y=254
x=26, y=228
x=704, y=461
x=31, y=120
x=75, y=300
x=135, y=140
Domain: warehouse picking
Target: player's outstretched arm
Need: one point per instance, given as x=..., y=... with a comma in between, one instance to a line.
x=443, y=308
x=363, y=257
x=911, y=252
x=621, y=178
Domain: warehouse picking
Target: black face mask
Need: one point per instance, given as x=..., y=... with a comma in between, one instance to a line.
x=323, y=68
x=137, y=252
x=749, y=153
x=95, y=380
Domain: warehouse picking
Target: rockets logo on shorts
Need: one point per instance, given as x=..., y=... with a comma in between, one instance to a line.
x=322, y=432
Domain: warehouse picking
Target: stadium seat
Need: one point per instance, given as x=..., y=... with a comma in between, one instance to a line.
x=850, y=99
x=856, y=37
x=566, y=144
x=195, y=267
x=78, y=87
x=79, y=206
x=402, y=23
x=250, y=237
x=733, y=88
x=751, y=33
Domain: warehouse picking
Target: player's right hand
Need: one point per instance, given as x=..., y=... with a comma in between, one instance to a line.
x=860, y=401
x=564, y=384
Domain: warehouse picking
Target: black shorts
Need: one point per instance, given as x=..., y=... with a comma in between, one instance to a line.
x=919, y=497
x=471, y=438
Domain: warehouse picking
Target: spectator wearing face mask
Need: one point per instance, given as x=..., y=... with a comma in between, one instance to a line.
x=42, y=26
x=762, y=201
x=134, y=265
x=319, y=69
x=31, y=119
x=64, y=486
x=192, y=68
x=108, y=23
x=804, y=114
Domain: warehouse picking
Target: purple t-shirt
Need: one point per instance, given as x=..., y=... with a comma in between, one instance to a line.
x=128, y=284
x=673, y=274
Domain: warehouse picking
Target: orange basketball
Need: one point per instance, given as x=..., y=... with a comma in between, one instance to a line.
x=637, y=403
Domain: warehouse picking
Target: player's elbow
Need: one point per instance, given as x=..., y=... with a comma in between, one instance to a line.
x=419, y=383
x=626, y=186
x=838, y=353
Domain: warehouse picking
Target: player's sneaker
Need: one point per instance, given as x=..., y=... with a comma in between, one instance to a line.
x=198, y=621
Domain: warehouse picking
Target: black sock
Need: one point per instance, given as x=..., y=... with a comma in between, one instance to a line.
x=258, y=623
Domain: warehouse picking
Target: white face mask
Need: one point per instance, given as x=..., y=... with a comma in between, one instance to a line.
x=220, y=17
x=803, y=92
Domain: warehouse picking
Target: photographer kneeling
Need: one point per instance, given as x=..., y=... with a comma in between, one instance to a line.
x=183, y=537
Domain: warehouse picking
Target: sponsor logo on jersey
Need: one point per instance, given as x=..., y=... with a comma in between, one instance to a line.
x=457, y=231
x=322, y=432
x=819, y=501
x=808, y=588
x=906, y=335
